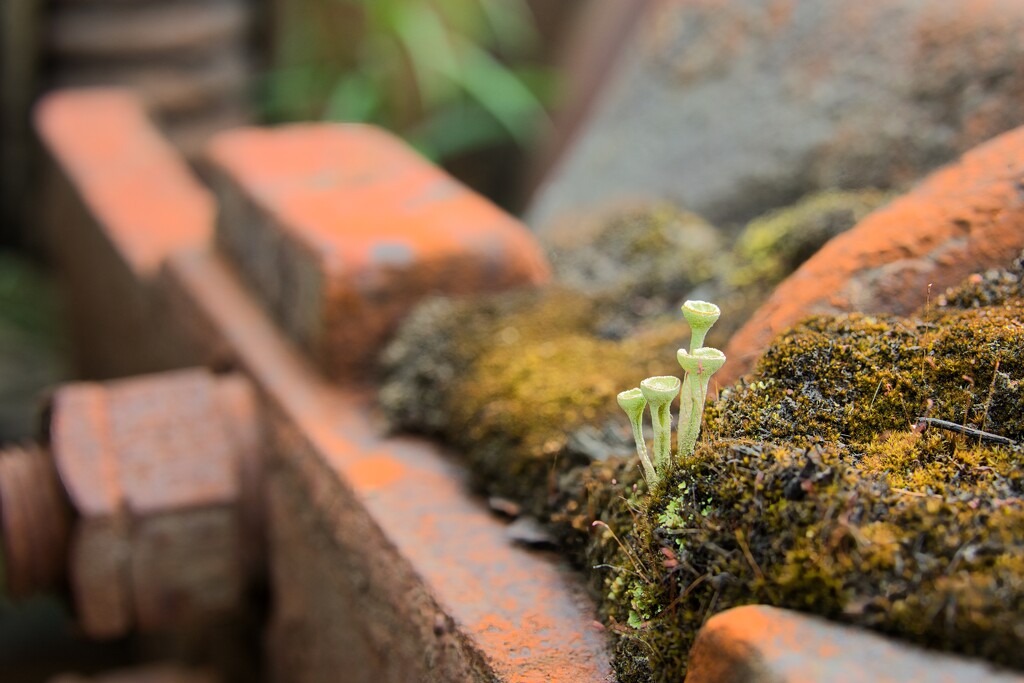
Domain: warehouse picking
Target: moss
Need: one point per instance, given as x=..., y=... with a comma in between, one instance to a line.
x=825, y=498
x=809, y=529
x=773, y=245
x=851, y=377
x=815, y=489
x=523, y=385
x=653, y=251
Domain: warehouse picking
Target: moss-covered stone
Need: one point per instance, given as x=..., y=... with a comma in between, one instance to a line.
x=814, y=488
x=822, y=494
x=523, y=385
x=772, y=246
x=810, y=529
x=648, y=251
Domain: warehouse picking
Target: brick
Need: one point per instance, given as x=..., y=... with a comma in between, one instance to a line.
x=131, y=180
x=965, y=217
x=343, y=228
x=159, y=470
x=382, y=564
x=117, y=199
x=759, y=644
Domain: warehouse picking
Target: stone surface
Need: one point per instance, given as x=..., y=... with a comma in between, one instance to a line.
x=731, y=107
x=965, y=217
x=343, y=228
x=758, y=644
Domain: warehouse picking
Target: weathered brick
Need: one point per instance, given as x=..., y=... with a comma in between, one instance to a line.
x=154, y=468
x=758, y=644
x=118, y=199
x=965, y=217
x=343, y=228
x=382, y=565
x=136, y=185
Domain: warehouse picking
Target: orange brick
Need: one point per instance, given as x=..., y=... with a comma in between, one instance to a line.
x=758, y=643
x=343, y=228
x=131, y=180
x=118, y=199
x=965, y=217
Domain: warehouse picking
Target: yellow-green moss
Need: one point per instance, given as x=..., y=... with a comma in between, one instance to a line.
x=521, y=378
x=821, y=495
x=815, y=491
x=849, y=378
x=773, y=245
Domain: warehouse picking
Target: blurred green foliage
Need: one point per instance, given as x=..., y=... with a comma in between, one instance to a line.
x=450, y=76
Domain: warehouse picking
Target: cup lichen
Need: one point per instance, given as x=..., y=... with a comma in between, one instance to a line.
x=660, y=391
x=633, y=402
x=699, y=363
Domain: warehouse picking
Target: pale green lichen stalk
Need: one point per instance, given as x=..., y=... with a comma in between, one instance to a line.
x=699, y=364
x=660, y=392
x=633, y=402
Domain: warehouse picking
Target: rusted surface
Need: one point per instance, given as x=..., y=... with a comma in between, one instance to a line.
x=471, y=604
x=35, y=522
x=80, y=439
x=342, y=229
x=758, y=644
x=186, y=566
x=156, y=467
x=172, y=444
x=396, y=511
x=967, y=216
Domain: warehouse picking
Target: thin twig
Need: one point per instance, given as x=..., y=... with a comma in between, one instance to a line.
x=967, y=431
x=741, y=539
